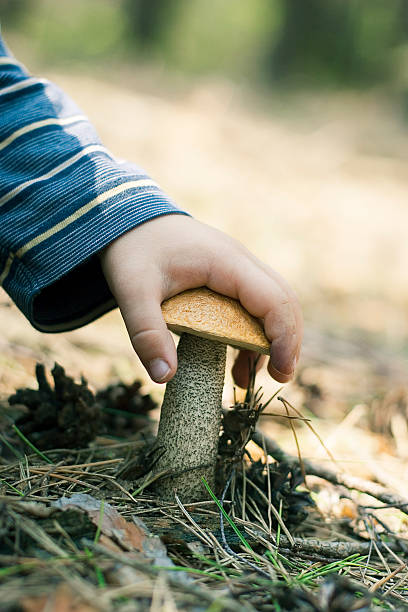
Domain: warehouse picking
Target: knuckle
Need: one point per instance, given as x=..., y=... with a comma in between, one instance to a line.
x=145, y=336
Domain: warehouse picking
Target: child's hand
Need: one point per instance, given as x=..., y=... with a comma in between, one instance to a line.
x=169, y=254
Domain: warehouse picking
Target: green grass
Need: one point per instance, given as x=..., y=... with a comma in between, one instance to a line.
x=12, y=487
x=98, y=572
x=100, y=520
x=11, y=448
x=226, y=516
x=210, y=562
x=188, y=570
x=310, y=577
x=31, y=445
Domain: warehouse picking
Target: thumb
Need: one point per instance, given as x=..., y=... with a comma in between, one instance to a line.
x=149, y=335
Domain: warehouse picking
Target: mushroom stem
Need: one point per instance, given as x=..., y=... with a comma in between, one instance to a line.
x=190, y=420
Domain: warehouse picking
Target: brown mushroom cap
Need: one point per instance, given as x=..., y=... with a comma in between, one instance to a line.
x=204, y=313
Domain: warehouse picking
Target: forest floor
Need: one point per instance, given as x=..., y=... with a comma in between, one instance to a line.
x=317, y=187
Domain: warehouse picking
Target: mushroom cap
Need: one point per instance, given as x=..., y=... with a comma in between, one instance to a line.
x=204, y=313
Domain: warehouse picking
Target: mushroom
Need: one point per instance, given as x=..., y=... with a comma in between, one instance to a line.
x=189, y=428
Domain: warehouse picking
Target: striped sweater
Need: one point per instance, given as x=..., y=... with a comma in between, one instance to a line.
x=63, y=198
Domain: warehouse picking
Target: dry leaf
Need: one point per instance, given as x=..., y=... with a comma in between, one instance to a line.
x=109, y=521
x=62, y=600
x=116, y=530
x=345, y=508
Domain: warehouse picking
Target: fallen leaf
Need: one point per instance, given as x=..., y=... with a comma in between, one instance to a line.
x=61, y=600
x=128, y=535
x=117, y=532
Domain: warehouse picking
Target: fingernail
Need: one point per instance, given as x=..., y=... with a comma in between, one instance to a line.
x=158, y=369
x=280, y=362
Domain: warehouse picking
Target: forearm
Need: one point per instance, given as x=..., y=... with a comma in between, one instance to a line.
x=63, y=198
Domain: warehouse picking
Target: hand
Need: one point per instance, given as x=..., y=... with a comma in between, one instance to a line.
x=170, y=254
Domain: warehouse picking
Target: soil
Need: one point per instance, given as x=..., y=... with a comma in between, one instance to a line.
x=80, y=528
x=324, y=178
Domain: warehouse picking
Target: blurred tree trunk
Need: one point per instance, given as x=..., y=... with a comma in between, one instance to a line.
x=11, y=11
x=317, y=38
x=147, y=19
x=403, y=20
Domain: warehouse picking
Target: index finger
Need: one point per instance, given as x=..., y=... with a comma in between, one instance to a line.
x=266, y=296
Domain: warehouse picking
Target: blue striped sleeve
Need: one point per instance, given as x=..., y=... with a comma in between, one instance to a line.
x=63, y=198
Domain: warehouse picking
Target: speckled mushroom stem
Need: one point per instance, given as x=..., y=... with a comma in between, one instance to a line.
x=190, y=419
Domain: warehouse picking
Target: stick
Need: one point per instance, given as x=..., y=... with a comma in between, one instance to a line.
x=337, y=478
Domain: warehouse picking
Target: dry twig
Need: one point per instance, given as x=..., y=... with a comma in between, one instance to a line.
x=338, y=478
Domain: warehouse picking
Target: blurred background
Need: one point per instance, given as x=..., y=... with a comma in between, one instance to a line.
x=284, y=124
